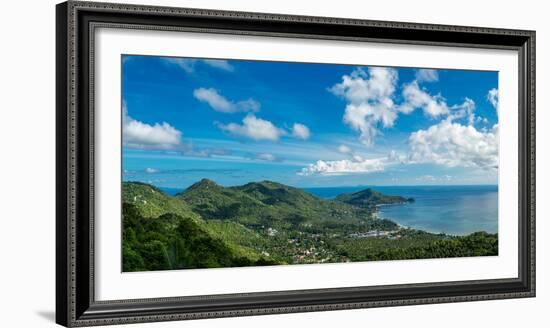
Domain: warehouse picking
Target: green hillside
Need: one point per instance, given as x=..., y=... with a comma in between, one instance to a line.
x=268, y=223
x=272, y=204
x=171, y=241
x=152, y=202
x=213, y=201
x=150, y=216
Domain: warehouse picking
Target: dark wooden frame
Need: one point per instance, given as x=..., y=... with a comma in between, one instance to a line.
x=75, y=302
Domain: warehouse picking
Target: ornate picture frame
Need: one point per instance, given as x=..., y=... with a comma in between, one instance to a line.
x=77, y=23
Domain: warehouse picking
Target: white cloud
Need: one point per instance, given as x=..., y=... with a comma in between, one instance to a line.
x=254, y=128
x=266, y=157
x=492, y=97
x=369, y=100
x=218, y=63
x=344, y=149
x=452, y=144
x=464, y=110
x=214, y=99
x=221, y=104
x=354, y=165
x=345, y=166
x=260, y=129
x=370, y=106
x=432, y=179
x=379, y=83
x=300, y=131
x=248, y=105
x=189, y=64
x=159, y=136
x=415, y=97
x=357, y=158
x=427, y=75
x=426, y=178
x=394, y=157
x=151, y=170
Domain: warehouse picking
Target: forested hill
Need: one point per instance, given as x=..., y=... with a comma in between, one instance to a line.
x=161, y=232
x=268, y=223
x=270, y=203
x=370, y=197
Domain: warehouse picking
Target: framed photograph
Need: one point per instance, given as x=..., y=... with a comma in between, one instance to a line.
x=214, y=163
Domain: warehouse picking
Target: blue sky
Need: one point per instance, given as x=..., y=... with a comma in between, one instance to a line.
x=306, y=125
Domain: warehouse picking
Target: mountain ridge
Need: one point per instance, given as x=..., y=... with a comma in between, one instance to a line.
x=269, y=223
x=269, y=203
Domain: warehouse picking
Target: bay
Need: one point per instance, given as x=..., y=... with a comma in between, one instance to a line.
x=457, y=210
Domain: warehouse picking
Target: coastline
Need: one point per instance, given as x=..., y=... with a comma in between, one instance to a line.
x=267, y=223
x=428, y=218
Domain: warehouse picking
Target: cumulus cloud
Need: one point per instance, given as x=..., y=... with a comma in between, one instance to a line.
x=343, y=149
x=221, y=104
x=355, y=164
x=492, y=97
x=415, y=97
x=357, y=158
x=427, y=75
x=454, y=141
x=189, y=64
x=266, y=157
x=300, y=131
x=464, y=110
x=158, y=136
x=254, y=128
x=455, y=145
x=369, y=100
x=259, y=129
x=345, y=166
x=395, y=157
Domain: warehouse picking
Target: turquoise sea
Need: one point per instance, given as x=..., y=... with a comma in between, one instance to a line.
x=457, y=210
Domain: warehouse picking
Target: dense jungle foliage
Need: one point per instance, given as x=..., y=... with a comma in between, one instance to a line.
x=267, y=223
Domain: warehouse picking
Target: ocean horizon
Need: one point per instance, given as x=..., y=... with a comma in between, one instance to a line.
x=326, y=192
x=450, y=209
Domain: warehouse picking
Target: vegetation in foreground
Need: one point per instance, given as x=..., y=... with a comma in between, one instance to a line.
x=267, y=223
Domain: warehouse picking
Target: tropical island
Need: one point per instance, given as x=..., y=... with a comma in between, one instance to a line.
x=371, y=198
x=268, y=223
